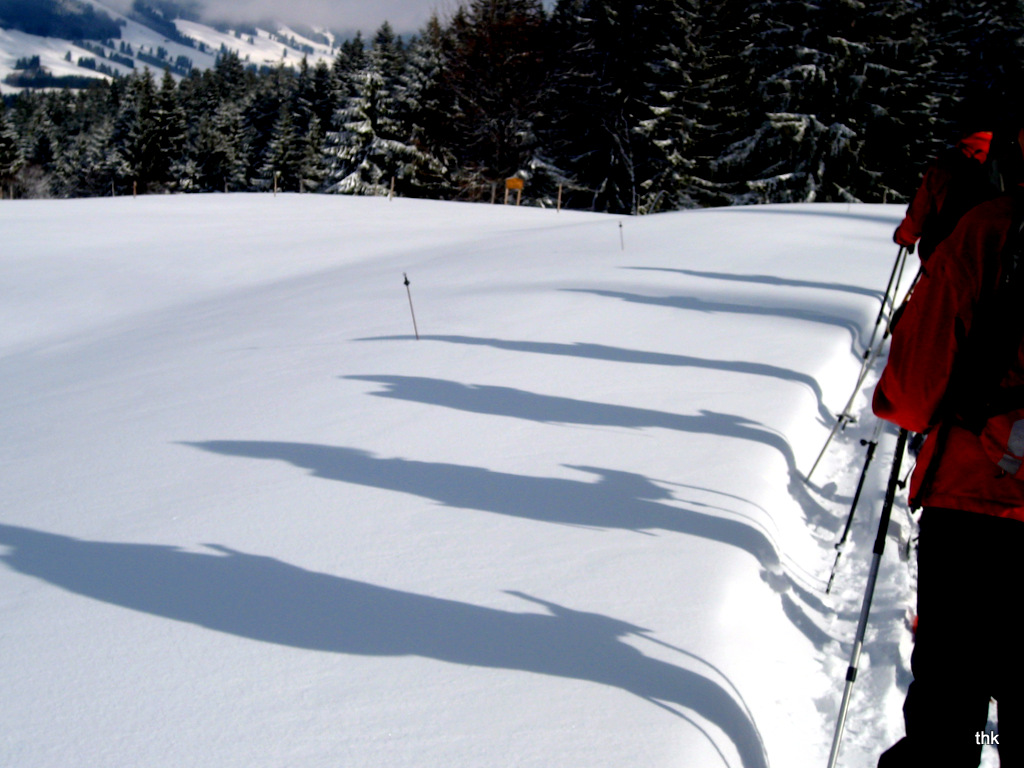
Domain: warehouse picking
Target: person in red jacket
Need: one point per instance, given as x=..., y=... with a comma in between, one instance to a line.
x=971, y=545
x=957, y=178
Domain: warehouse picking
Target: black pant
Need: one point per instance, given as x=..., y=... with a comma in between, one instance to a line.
x=968, y=647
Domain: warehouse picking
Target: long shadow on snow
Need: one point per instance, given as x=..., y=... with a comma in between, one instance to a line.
x=268, y=600
x=878, y=218
x=516, y=403
x=622, y=355
x=622, y=500
x=696, y=304
x=768, y=280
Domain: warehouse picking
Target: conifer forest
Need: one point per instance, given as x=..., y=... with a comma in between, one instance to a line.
x=606, y=105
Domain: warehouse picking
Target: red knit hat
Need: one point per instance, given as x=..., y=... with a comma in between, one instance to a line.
x=976, y=145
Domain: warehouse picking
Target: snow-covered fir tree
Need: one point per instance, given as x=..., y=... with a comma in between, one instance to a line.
x=369, y=149
x=425, y=114
x=808, y=62
x=170, y=133
x=275, y=93
x=222, y=150
x=628, y=107
x=495, y=69
x=978, y=51
x=668, y=172
x=603, y=86
x=149, y=133
x=900, y=118
x=313, y=166
x=86, y=164
x=282, y=167
x=11, y=157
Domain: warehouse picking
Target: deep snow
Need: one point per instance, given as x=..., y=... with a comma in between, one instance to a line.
x=249, y=520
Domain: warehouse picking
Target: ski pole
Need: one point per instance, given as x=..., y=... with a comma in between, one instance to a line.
x=846, y=417
x=890, y=323
x=408, y=291
x=879, y=548
x=871, y=444
x=903, y=304
x=871, y=353
x=896, y=267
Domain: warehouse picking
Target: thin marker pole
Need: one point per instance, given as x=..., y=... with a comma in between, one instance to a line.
x=411, y=310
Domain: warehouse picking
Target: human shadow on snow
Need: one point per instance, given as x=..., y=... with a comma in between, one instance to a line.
x=623, y=355
x=517, y=403
x=697, y=304
x=268, y=600
x=618, y=500
x=890, y=220
x=771, y=280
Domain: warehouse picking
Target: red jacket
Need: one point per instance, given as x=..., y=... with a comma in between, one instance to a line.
x=949, y=168
x=925, y=345
x=926, y=204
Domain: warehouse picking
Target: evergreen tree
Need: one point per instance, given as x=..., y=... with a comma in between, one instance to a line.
x=221, y=155
x=313, y=167
x=631, y=107
x=348, y=64
x=230, y=78
x=136, y=159
x=494, y=68
x=808, y=65
x=285, y=156
x=425, y=114
x=604, y=91
x=324, y=97
x=170, y=132
x=43, y=137
x=368, y=149
x=901, y=126
x=275, y=91
x=978, y=69
x=668, y=174
x=85, y=165
x=11, y=157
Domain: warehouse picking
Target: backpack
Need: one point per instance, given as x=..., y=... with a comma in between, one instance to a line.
x=992, y=411
x=975, y=398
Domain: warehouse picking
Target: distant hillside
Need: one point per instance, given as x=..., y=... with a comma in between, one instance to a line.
x=71, y=43
x=68, y=19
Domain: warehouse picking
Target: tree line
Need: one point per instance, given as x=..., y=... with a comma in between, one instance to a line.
x=616, y=106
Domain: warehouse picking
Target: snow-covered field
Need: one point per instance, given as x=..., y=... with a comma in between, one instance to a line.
x=248, y=519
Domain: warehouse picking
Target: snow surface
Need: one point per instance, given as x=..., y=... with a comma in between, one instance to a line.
x=249, y=520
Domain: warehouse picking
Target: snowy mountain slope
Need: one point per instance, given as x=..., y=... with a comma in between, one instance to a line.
x=250, y=520
x=271, y=48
